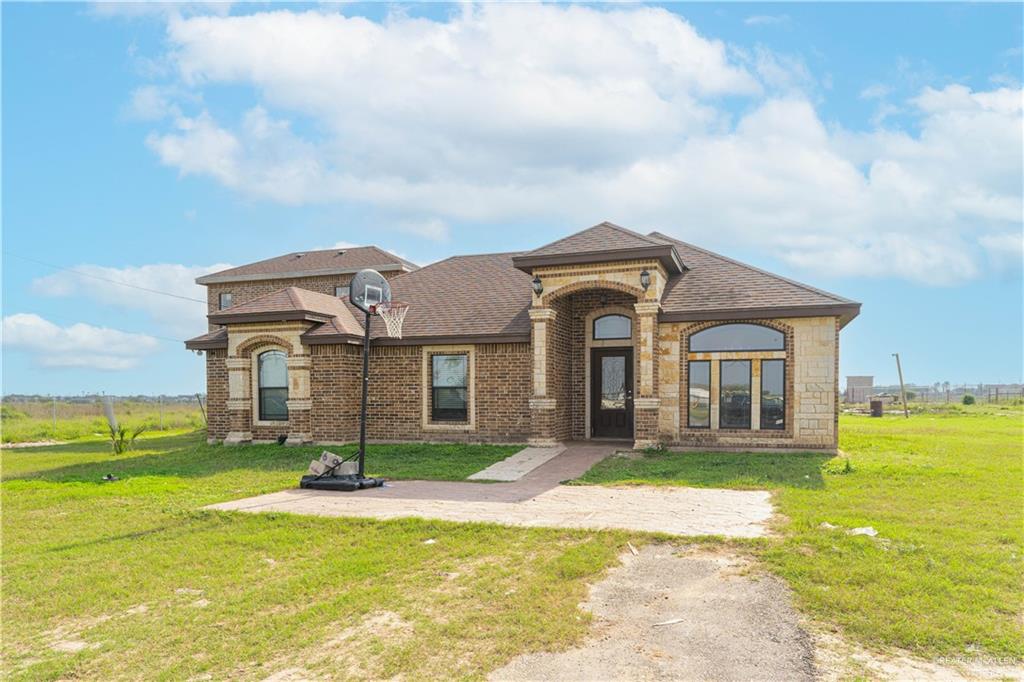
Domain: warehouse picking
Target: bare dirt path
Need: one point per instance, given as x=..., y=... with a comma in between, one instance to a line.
x=717, y=623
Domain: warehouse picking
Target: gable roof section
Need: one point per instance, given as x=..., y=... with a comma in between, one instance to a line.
x=601, y=243
x=715, y=287
x=292, y=303
x=460, y=299
x=311, y=264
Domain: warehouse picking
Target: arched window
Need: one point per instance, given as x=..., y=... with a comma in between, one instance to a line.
x=273, y=386
x=613, y=327
x=732, y=337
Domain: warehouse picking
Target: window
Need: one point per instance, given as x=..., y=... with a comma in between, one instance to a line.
x=773, y=391
x=273, y=386
x=700, y=394
x=734, y=401
x=225, y=301
x=448, y=387
x=732, y=337
x=613, y=327
x=341, y=292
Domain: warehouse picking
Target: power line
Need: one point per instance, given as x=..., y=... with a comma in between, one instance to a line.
x=104, y=279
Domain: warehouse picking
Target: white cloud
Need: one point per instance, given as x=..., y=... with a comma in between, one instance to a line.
x=80, y=345
x=875, y=91
x=548, y=112
x=432, y=229
x=183, y=318
x=766, y=19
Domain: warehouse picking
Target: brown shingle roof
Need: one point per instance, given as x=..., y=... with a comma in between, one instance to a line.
x=292, y=303
x=309, y=263
x=461, y=297
x=715, y=287
x=487, y=297
x=600, y=243
x=218, y=338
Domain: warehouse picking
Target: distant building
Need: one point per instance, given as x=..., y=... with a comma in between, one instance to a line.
x=858, y=389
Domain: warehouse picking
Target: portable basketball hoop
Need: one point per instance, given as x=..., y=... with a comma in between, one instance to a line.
x=371, y=293
x=393, y=314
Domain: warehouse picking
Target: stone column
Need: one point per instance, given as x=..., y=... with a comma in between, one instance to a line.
x=646, y=403
x=542, y=407
x=299, y=400
x=239, y=402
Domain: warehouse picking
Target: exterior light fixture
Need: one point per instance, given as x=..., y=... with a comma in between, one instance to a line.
x=645, y=279
x=538, y=288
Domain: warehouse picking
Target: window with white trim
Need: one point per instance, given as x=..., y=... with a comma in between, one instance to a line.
x=224, y=301
x=449, y=387
x=272, y=373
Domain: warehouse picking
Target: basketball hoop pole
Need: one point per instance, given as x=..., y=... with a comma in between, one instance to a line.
x=366, y=393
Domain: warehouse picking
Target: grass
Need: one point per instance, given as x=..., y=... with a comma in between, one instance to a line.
x=32, y=422
x=131, y=579
x=943, y=489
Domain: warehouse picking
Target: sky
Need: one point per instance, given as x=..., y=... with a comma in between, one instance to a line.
x=872, y=150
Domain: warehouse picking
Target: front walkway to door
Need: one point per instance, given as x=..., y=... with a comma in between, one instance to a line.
x=537, y=499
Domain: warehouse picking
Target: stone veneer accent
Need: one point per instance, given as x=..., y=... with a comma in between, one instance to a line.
x=811, y=387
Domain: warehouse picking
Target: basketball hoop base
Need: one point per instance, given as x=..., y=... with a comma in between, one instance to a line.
x=346, y=484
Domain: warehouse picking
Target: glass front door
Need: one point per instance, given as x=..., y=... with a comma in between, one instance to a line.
x=611, y=393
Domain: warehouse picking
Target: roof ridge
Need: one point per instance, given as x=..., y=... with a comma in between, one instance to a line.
x=628, y=231
x=719, y=256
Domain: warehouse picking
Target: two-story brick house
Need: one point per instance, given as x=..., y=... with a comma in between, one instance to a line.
x=606, y=333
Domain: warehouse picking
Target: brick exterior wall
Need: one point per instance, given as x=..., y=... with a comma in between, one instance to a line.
x=217, y=425
x=581, y=305
x=243, y=292
x=503, y=387
x=560, y=362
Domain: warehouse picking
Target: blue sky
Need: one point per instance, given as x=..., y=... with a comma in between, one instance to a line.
x=872, y=150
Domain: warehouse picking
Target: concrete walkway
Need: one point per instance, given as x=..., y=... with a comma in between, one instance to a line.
x=537, y=499
x=518, y=465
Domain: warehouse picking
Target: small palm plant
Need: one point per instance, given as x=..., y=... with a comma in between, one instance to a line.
x=122, y=438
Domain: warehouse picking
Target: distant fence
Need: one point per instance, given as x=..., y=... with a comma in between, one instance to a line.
x=37, y=418
x=986, y=394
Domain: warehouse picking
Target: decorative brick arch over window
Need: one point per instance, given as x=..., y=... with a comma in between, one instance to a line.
x=789, y=393
x=548, y=298
x=246, y=348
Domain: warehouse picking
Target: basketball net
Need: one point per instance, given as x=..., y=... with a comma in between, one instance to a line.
x=393, y=314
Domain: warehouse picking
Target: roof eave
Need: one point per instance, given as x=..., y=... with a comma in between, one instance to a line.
x=844, y=311
x=666, y=254
x=216, y=278
x=273, y=316
x=211, y=344
x=419, y=340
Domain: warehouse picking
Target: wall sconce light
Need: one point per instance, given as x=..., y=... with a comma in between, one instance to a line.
x=645, y=279
x=538, y=288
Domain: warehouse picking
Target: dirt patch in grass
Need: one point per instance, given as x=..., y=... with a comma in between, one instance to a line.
x=667, y=614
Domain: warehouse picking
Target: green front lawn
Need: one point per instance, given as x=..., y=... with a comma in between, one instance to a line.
x=944, y=491
x=131, y=579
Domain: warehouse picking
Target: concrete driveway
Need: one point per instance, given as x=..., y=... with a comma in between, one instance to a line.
x=537, y=499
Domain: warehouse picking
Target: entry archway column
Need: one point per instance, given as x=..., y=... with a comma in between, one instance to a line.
x=646, y=402
x=239, y=402
x=542, y=403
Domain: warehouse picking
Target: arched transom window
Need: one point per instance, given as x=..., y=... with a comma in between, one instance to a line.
x=613, y=327
x=733, y=337
x=745, y=366
x=273, y=386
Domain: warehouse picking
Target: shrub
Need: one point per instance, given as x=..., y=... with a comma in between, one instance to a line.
x=968, y=399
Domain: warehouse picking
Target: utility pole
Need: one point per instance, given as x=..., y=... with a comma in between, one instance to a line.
x=55, y=416
x=903, y=392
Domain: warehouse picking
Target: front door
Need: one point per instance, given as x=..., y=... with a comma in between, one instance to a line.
x=611, y=393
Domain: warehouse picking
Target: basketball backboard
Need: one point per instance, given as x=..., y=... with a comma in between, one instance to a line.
x=369, y=289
